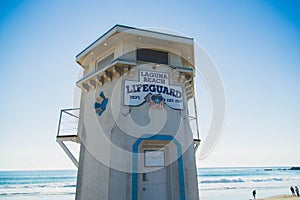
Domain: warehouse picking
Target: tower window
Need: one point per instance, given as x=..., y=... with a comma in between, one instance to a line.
x=105, y=61
x=153, y=56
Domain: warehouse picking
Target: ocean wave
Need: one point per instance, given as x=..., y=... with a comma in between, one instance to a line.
x=223, y=180
x=241, y=187
x=240, y=180
x=39, y=186
x=19, y=194
x=267, y=179
x=12, y=194
x=72, y=185
x=31, y=180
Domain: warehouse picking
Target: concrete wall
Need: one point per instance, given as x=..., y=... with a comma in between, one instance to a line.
x=107, y=141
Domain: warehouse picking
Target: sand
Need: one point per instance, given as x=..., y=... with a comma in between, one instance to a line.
x=281, y=197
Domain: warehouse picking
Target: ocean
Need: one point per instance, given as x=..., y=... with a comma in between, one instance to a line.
x=238, y=183
x=214, y=183
x=42, y=185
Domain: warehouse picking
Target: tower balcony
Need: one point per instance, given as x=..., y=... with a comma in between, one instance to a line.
x=116, y=69
x=67, y=132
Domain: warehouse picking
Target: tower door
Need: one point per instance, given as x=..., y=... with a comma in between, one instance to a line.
x=154, y=183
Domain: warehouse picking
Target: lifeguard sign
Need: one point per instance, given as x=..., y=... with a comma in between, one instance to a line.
x=134, y=123
x=154, y=84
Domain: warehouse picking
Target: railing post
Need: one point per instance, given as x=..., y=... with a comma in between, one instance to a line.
x=59, y=122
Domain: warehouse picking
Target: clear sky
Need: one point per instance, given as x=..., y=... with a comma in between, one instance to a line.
x=254, y=43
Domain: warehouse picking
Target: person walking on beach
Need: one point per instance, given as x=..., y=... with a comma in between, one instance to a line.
x=292, y=190
x=297, y=191
x=254, y=194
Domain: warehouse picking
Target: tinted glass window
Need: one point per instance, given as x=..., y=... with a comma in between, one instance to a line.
x=154, y=56
x=106, y=61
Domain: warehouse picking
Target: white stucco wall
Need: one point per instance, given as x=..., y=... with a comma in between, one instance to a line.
x=107, y=141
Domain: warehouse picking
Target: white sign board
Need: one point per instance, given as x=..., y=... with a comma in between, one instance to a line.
x=154, y=158
x=152, y=83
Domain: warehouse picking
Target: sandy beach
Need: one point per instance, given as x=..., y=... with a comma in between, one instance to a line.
x=281, y=197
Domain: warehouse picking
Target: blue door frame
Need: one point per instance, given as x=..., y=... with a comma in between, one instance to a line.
x=135, y=150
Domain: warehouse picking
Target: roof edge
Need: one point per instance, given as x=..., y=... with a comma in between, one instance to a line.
x=118, y=28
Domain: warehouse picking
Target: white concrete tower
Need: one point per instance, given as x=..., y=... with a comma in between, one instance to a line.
x=134, y=123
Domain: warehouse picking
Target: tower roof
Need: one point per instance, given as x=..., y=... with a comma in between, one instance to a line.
x=179, y=42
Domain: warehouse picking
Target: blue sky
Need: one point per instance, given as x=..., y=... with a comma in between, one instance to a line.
x=255, y=45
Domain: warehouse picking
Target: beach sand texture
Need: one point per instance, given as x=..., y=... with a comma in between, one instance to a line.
x=281, y=197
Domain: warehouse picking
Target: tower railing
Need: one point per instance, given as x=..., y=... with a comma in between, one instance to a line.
x=68, y=128
x=67, y=131
x=193, y=120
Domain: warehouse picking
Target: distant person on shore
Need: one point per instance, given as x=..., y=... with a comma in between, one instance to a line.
x=292, y=190
x=254, y=194
x=297, y=191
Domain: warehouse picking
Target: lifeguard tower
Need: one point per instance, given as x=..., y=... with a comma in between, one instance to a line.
x=137, y=122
